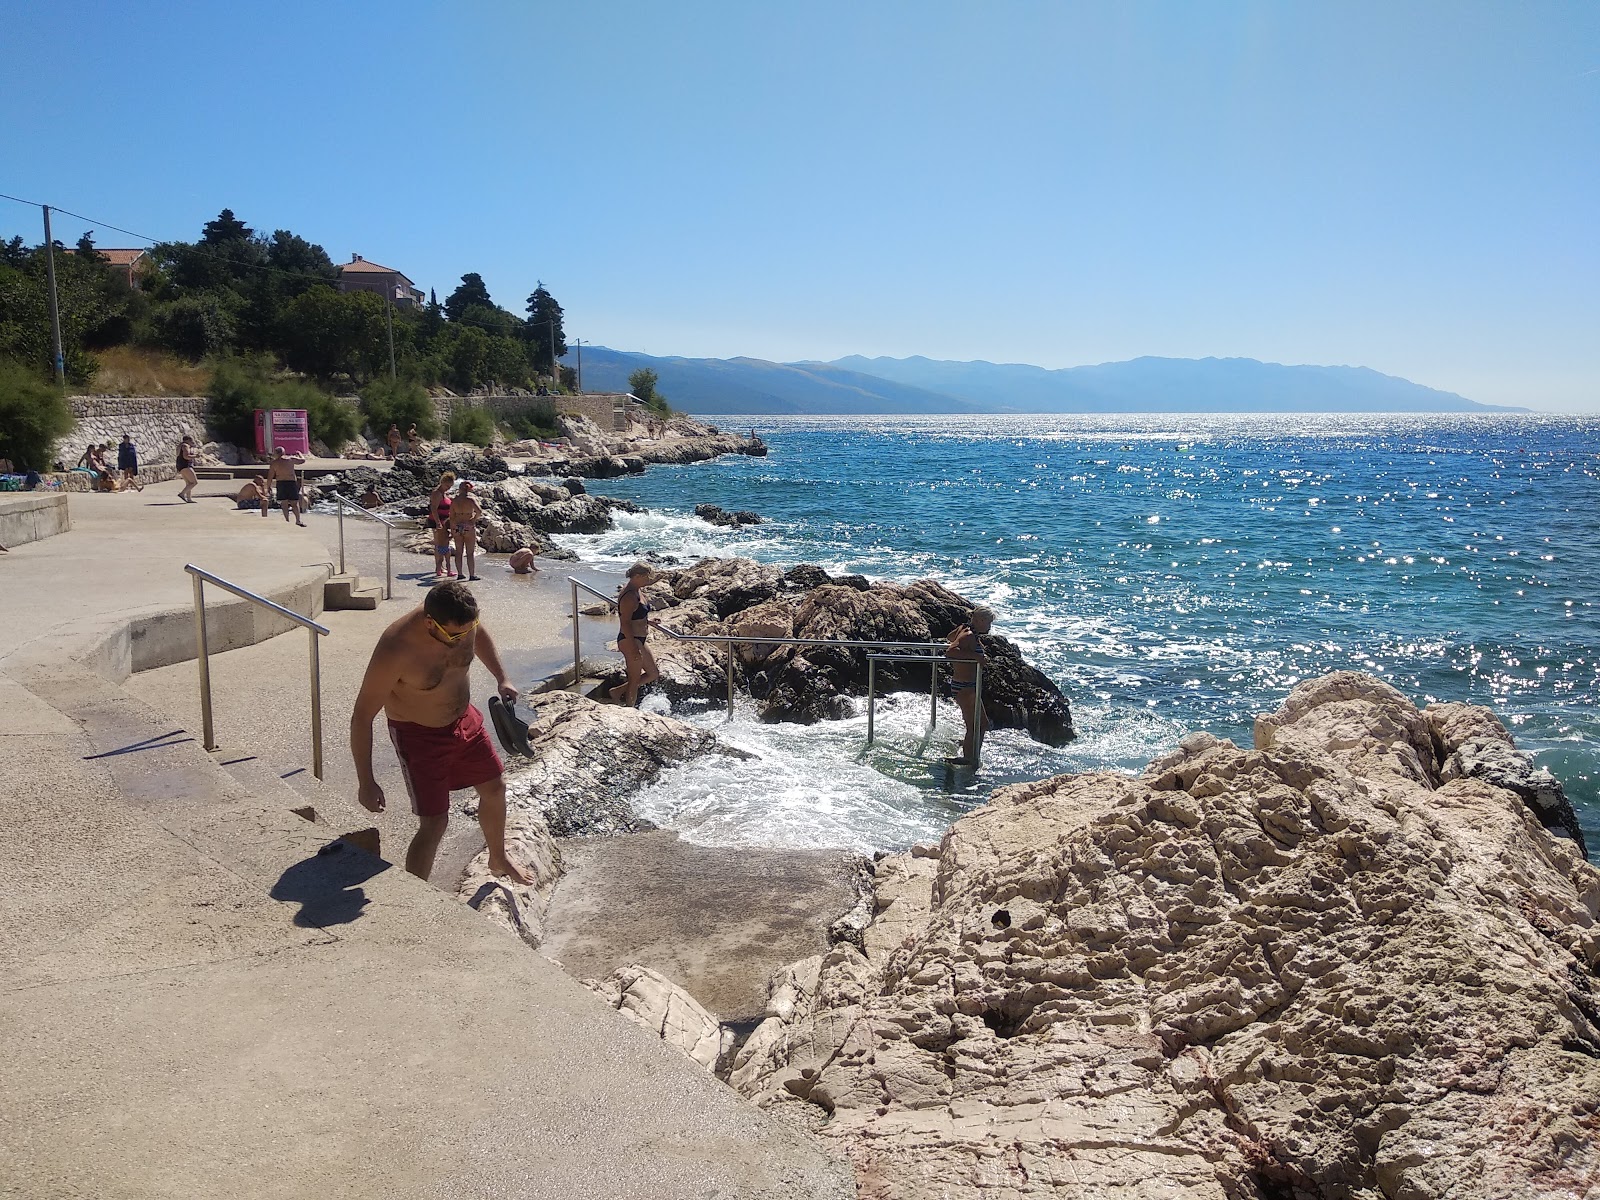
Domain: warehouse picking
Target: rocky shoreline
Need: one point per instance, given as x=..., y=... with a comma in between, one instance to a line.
x=1349, y=962
x=531, y=490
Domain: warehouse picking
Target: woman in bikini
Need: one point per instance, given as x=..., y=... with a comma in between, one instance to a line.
x=465, y=513
x=633, y=613
x=186, y=457
x=439, y=522
x=965, y=653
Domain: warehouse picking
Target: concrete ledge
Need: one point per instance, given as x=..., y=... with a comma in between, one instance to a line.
x=32, y=517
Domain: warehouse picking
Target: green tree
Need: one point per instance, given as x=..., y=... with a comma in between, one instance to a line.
x=642, y=383
x=464, y=354
x=34, y=415
x=226, y=229
x=327, y=333
x=546, y=335
x=86, y=250
x=25, y=312
x=402, y=402
x=471, y=292
x=195, y=325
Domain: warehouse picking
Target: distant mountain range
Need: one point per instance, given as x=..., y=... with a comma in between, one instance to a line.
x=857, y=385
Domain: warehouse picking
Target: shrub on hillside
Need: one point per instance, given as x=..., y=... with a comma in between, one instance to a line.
x=33, y=415
x=473, y=425
x=386, y=402
x=193, y=326
x=239, y=386
x=538, y=420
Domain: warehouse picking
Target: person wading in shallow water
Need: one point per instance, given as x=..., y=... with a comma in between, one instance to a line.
x=418, y=677
x=965, y=652
x=633, y=611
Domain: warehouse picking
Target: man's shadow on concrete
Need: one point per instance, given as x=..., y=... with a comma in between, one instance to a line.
x=327, y=886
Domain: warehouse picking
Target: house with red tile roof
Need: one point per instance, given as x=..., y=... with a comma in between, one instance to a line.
x=360, y=275
x=126, y=261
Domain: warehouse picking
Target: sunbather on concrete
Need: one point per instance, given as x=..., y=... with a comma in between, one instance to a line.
x=418, y=676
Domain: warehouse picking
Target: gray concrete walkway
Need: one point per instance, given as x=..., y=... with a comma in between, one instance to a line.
x=205, y=994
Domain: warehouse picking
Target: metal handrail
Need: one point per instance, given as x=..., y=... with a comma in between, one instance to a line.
x=577, y=646
x=203, y=656
x=933, y=695
x=388, y=538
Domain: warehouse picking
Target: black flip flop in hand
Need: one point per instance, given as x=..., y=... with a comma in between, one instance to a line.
x=510, y=729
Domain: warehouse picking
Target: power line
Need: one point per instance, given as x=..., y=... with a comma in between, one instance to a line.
x=194, y=247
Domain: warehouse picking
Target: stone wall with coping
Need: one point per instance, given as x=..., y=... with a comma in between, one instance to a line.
x=156, y=423
x=599, y=407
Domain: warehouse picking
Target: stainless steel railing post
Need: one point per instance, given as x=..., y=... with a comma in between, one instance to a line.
x=316, y=705
x=933, y=694
x=203, y=657
x=730, y=680
x=340, y=508
x=388, y=561
x=872, y=695
x=577, y=648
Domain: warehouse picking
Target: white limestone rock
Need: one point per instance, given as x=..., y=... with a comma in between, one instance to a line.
x=655, y=1002
x=1309, y=969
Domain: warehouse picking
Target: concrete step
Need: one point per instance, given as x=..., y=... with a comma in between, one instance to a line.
x=302, y=793
x=350, y=591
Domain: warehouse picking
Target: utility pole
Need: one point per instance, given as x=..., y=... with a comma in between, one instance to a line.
x=55, y=310
x=577, y=346
x=388, y=320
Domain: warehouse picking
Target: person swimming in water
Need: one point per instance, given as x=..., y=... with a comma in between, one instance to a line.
x=633, y=613
x=965, y=652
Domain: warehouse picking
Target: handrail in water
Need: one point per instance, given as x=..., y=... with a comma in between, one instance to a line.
x=388, y=536
x=203, y=656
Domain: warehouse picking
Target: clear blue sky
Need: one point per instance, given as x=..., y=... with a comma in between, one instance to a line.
x=1413, y=187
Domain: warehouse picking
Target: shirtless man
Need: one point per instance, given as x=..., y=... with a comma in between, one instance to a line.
x=281, y=471
x=965, y=652
x=254, y=493
x=418, y=677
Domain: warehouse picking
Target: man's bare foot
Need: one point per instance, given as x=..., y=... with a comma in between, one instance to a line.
x=505, y=867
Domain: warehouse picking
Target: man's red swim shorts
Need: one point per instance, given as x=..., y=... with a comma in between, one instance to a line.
x=437, y=760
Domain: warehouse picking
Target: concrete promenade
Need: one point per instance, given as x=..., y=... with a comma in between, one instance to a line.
x=205, y=994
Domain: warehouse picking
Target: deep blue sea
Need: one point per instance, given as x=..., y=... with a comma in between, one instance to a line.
x=1170, y=573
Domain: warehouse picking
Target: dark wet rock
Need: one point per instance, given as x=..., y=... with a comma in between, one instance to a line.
x=574, y=485
x=729, y=584
x=717, y=515
x=804, y=577
x=805, y=684
x=859, y=582
x=1471, y=743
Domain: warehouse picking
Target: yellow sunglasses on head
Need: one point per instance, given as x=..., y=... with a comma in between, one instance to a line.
x=452, y=638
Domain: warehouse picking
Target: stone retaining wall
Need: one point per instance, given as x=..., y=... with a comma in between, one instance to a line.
x=599, y=407
x=156, y=423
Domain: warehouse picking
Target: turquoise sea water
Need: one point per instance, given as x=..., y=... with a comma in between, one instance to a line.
x=1170, y=573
